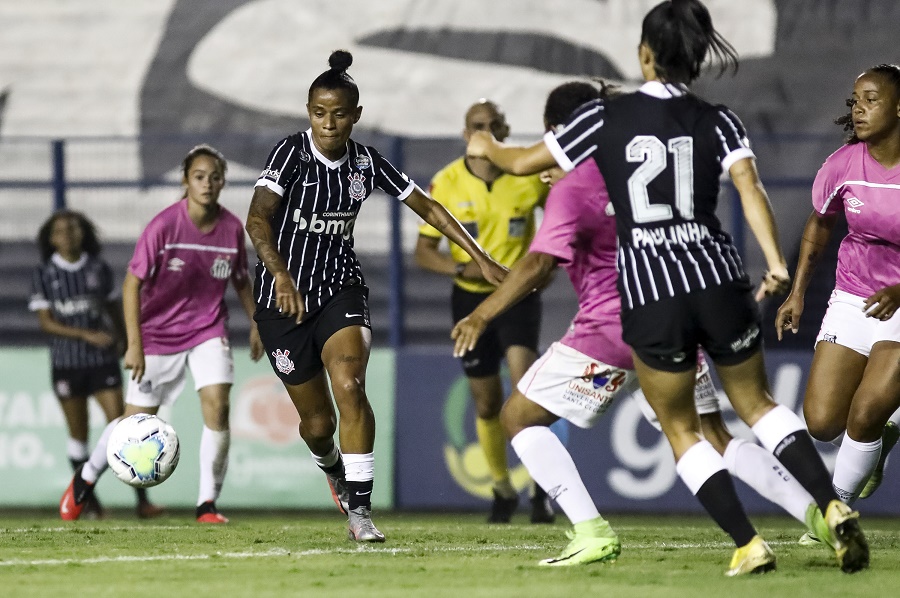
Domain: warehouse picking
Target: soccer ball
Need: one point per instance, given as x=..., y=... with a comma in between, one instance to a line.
x=143, y=450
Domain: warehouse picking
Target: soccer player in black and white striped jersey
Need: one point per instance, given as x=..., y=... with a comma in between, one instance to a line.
x=311, y=298
x=661, y=151
x=73, y=295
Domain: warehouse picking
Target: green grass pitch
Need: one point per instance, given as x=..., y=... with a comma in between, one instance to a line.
x=307, y=554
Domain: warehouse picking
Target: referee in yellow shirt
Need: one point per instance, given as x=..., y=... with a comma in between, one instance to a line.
x=498, y=210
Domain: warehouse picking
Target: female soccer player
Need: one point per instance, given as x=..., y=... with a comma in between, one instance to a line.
x=175, y=317
x=311, y=298
x=73, y=295
x=581, y=374
x=853, y=382
x=661, y=151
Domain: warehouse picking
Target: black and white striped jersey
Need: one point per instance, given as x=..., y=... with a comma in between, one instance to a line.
x=77, y=294
x=315, y=219
x=662, y=152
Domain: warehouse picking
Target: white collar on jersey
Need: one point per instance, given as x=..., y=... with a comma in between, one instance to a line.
x=664, y=91
x=69, y=266
x=328, y=163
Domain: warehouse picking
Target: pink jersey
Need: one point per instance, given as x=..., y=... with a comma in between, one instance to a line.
x=579, y=229
x=185, y=273
x=869, y=194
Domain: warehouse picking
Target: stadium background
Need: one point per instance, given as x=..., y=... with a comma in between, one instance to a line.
x=100, y=100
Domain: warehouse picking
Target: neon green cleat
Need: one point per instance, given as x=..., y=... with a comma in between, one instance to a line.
x=591, y=542
x=888, y=439
x=818, y=528
x=850, y=544
x=753, y=557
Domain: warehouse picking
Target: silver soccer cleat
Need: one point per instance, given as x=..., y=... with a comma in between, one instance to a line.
x=361, y=528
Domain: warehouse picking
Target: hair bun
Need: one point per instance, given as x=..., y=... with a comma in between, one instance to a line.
x=340, y=60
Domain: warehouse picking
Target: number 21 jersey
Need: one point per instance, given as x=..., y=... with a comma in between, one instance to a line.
x=661, y=151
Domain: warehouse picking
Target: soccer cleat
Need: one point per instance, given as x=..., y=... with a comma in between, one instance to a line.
x=361, y=528
x=208, y=513
x=541, y=509
x=340, y=493
x=753, y=557
x=148, y=510
x=75, y=498
x=817, y=528
x=850, y=544
x=590, y=542
x=502, y=508
x=888, y=439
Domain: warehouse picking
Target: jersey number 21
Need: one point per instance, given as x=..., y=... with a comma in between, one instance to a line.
x=652, y=152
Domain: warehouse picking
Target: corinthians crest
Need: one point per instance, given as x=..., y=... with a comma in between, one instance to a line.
x=282, y=362
x=357, y=186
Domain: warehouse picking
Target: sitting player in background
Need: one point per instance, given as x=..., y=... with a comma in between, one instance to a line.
x=73, y=295
x=176, y=318
x=580, y=375
x=853, y=381
x=499, y=211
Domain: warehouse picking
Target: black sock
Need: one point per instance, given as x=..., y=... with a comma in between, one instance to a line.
x=719, y=498
x=360, y=494
x=207, y=507
x=336, y=470
x=799, y=456
x=141, y=495
x=76, y=463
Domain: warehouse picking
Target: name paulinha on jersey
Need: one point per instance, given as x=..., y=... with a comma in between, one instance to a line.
x=676, y=234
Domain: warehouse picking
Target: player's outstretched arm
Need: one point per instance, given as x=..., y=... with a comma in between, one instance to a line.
x=514, y=159
x=758, y=212
x=437, y=216
x=531, y=272
x=262, y=208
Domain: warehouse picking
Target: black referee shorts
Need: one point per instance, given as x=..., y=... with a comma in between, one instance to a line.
x=724, y=320
x=295, y=350
x=520, y=325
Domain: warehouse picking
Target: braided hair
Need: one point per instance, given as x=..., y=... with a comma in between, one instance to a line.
x=891, y=72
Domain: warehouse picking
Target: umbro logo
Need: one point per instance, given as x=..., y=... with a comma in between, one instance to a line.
x=853, y=204
x=176, y=264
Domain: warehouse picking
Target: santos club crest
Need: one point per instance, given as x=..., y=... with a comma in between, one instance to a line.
x=357, y=186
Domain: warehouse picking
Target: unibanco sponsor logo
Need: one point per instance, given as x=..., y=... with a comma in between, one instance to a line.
x=327, y=223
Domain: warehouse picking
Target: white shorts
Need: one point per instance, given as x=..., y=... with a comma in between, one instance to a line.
x=164, y=375
x=846, y=324
x=705, y=396
x=571, y=385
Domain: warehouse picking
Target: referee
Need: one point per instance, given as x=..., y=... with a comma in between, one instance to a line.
x=498, y=210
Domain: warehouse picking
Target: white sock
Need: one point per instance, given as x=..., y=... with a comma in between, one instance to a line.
x=551, y=466
x=895, y=417
x=854, y=464
x=775, y=426
x=76, y=450
x=97, y=463
x=214, y=447
x=698, y=464
x=328, y=459
x=759, y=469
x=359, y=467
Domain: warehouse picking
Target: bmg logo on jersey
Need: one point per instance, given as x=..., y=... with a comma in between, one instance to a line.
x=327, y=223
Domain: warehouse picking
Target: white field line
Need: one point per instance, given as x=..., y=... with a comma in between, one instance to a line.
x=283, y=552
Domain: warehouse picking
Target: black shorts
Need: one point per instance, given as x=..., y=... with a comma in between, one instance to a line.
x=520, y=325
x=295, y=350
x=724, y=320
x=83, y=382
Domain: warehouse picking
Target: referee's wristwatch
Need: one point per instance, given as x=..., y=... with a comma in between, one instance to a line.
x=460, y=268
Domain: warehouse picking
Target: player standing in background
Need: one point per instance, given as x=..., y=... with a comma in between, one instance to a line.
x=854, y=381
x=581, y=374
x=311, y=298
x=176, y=318
x=74, y=296
x=498, y=210
x=661, y=151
